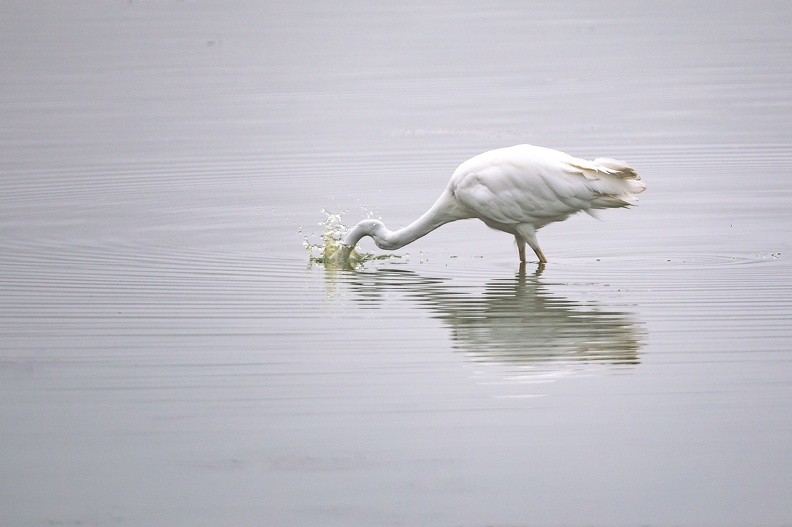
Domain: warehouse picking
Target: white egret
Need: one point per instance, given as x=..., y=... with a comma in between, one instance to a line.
x=517, y=190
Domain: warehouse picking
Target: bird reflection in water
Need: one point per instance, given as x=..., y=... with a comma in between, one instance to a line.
x=517, y=324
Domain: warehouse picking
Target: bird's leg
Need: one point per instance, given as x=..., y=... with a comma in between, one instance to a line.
x=540, y=255
x=527, y=232
x=520, y=247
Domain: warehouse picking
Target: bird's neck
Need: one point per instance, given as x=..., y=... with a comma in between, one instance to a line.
x=443, y=211
x=392, y=240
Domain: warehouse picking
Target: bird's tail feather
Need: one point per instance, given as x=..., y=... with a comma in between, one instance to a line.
x=616, y=168
x=614, y=182
x=619, y=187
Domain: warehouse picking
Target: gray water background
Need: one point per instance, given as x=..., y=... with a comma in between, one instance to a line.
x=169, y=356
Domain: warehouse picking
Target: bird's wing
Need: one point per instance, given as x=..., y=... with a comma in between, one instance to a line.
x=530, y=187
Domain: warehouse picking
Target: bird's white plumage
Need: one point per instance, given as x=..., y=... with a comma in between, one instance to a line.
x=518, y=190
x=531, y=184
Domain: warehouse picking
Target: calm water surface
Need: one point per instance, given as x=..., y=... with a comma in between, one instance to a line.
x=169, y=355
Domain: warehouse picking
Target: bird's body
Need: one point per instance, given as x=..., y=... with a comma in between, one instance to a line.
x=518, y=190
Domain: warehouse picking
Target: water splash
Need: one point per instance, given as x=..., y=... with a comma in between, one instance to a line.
x=331, y=252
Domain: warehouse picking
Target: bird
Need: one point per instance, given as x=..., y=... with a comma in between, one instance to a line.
x=517, y=190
